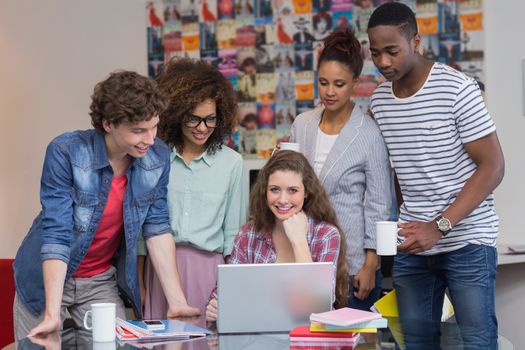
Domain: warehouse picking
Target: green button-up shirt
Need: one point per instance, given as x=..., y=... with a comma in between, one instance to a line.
x=207, y=200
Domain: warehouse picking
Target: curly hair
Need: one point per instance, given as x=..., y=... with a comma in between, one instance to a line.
x=316, y=205
x=187, y=83
x=125, y=96
x=343, y=47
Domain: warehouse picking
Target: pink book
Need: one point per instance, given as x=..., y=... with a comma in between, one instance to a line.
x=344, y=317
x=303, y=334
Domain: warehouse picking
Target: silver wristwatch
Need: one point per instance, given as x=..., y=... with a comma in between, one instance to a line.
x=443, y=225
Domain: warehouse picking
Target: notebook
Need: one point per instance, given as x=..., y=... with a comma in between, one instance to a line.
x=387, y=306
x=303, y=333
x=364, y=327
x=272, y=297
x=344, y=317
x=137, y=331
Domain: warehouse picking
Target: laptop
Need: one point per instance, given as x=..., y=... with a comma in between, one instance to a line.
x=272, y=297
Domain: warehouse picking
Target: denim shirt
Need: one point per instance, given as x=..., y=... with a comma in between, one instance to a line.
x=75, y=183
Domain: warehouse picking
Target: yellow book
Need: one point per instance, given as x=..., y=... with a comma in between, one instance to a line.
x=319, y=327
x=395, y=328
x=387, y=305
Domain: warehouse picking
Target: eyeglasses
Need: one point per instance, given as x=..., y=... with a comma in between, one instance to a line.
x=193, y=121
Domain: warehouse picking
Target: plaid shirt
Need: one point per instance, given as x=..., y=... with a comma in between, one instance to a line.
x=252, y=247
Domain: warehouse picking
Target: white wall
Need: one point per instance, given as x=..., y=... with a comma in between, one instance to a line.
x=53, y=52
x=504, y=30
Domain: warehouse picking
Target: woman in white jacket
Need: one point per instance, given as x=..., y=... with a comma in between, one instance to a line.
x=348, y=153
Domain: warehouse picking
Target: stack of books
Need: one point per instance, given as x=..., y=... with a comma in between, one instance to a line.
x=338, y=327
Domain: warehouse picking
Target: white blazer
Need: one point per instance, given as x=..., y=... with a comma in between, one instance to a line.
x=356, y=176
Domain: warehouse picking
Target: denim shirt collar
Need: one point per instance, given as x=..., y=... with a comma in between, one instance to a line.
x=101, y=160
x=100, y=153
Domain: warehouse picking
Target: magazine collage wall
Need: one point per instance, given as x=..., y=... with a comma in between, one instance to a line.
x=269, y=48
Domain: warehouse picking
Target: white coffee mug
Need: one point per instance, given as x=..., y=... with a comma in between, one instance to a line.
x=290, y=146
x=103, y=317
x=386, y=237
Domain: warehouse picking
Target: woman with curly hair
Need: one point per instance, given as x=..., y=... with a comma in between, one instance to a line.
x=349, y=155
x=291, y=220
x=206, y=196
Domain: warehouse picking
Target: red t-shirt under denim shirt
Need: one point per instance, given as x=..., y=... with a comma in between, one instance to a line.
x=109, y=233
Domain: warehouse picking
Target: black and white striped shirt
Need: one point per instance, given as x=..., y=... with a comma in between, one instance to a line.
x=425, y=134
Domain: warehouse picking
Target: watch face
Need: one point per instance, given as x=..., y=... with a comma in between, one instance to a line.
x=444, y=224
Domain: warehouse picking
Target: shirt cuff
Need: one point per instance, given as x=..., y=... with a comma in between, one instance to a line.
x=150, y=230
x=55, y=251
x=370, y=244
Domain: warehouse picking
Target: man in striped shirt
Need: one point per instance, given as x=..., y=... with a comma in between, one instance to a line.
x=448, y=160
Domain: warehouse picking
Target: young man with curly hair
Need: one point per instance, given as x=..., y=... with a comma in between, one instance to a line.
x=99, y=189
x=206, y=197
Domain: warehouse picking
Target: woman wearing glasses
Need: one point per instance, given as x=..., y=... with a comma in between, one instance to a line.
x=206, y=198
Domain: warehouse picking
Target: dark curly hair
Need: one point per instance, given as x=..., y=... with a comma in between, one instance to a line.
x=316, y=205
x=343, y=47
x=395, y=14
x=187, y=83
x=125, y=96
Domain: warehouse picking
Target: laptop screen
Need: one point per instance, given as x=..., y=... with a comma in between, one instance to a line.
x=272, y=297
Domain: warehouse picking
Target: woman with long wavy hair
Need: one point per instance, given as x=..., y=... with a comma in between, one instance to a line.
x=291, y=220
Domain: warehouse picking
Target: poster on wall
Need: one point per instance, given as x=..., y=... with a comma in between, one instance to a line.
x=268, y=49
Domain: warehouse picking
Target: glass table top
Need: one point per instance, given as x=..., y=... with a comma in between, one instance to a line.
x=388, y=338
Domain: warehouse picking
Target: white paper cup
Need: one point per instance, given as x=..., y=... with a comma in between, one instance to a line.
x=103, y=317
x=386, y=237
x=290, y=146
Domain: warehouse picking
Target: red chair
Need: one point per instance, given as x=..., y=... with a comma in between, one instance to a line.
x=7, y=295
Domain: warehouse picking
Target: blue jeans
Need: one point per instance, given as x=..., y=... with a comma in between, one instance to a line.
x=469, y=274
x=366, y=303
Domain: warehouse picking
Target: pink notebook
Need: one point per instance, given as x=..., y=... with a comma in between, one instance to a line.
x=303, y=334
x=344, y=317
